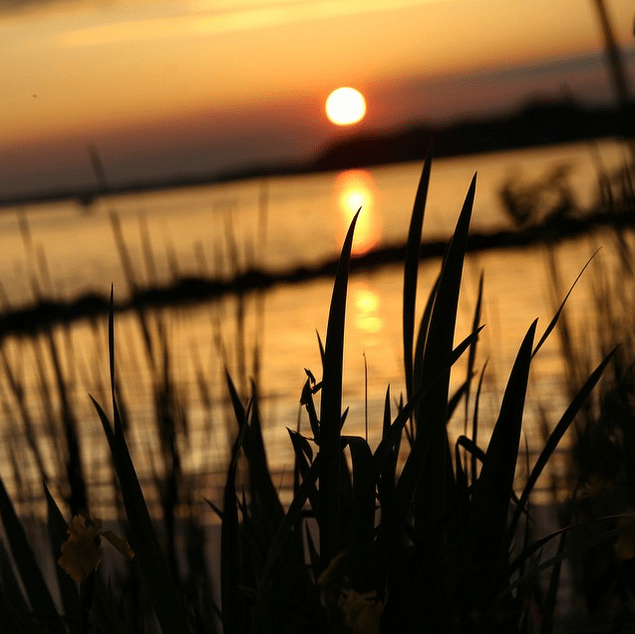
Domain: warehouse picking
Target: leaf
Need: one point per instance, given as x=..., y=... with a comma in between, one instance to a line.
x=554, y=320
x=362, y=520
x=411, y=269
x=292, y=516
x=492, y=495
x=307, y=400
x=388, y=473
x=166, y=599
x=239, y=410
x=230, y=579
x=431, y=415
x=392, y=435
x=303, y=457
x=556, y=435
x=331, y=409
x=477, y=400
x=409, y=478
x=443, y=319
x=16, y=614
x=603, y=537
x=36, y=589
x=472, y=355
x=422, y=335
x=68, y=588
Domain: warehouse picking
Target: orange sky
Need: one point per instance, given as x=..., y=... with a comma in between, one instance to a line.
x=153, y=75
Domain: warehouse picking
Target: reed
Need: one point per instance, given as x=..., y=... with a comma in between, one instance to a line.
x=600, y=467
x=420, y=530
x=402, y=534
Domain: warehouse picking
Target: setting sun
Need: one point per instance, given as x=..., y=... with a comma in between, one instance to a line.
x=345, y=106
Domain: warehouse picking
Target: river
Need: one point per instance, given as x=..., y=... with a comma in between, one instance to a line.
x=64, y=249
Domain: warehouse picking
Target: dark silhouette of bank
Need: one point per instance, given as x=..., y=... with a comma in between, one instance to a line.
x=538, y=123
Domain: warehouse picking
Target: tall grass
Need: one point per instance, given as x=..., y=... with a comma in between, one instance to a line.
x=418, y=532
x=601, y=460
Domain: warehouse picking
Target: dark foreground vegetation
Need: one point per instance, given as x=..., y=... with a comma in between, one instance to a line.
x=421, y=532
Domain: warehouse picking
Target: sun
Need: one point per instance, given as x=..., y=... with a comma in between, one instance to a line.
x=345, y=106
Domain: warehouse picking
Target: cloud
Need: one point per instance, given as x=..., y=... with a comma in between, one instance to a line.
x=24, y=6
x=205, y=17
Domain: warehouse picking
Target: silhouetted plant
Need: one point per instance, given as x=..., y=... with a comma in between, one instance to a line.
x=416, y=532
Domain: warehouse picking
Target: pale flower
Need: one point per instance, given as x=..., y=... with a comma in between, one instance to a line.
x=81, y=553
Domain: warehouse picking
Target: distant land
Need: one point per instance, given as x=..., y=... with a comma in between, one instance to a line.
x=537, y=123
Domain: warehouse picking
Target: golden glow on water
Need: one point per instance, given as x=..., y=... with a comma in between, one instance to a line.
x=355, y=189
x=367, y=306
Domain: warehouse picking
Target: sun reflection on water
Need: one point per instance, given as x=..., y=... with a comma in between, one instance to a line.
x=366, y=308
x=355, y=189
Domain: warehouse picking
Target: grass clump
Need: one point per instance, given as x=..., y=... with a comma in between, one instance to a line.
x=601, y=460
x=415, y=531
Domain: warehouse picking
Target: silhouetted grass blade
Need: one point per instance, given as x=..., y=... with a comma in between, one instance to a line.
x=239, y=410
x=292, y=516
x=549, y=609
x=602, y=537
x=472, y=354
x=331, y=409
x=492, y=495
x=422, y=334
x=443, y=319
x=556, y=436
x=388, y=471
x=232, y=604
x=392, y=435
x=303, y=458
x=30, y=574
x=471, y=447
x=411, y=269
x=264, y=497
x=432, y=413
x=554, y=320
x=307, y=400
x=362, y=520
x=57, y=526
x=15, y=611
x=165, y=597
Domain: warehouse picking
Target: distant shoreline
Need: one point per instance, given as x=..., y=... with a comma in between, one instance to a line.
x=536, y=124
x=190, y=290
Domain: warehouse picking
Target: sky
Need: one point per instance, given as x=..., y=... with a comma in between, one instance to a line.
x=162, y=88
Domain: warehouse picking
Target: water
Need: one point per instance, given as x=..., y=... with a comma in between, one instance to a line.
x=276, y=224
x=302, y=221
